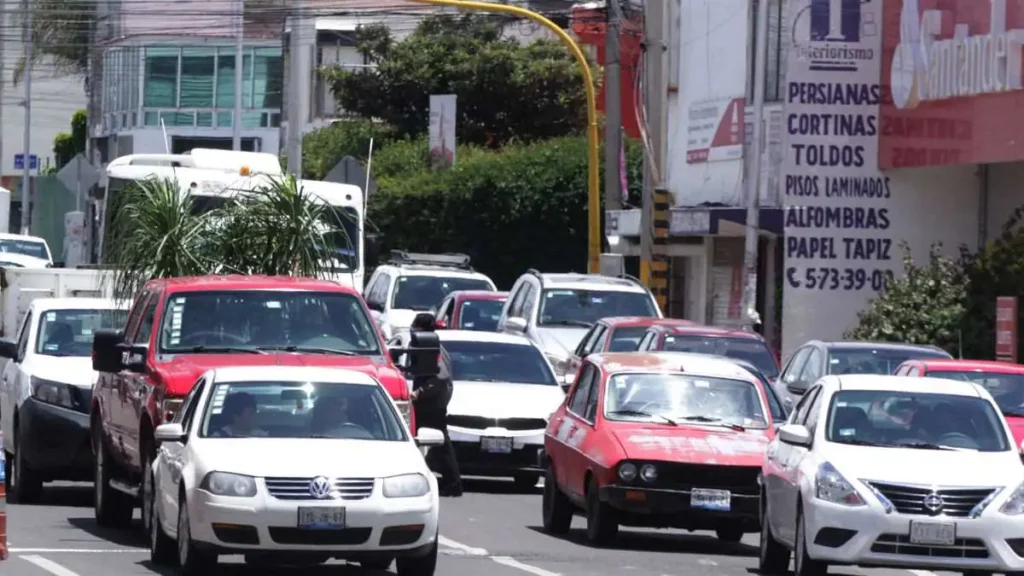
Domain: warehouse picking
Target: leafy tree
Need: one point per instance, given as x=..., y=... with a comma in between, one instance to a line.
x=155, y=233
x=323, y=148
x=67, y=144
x=61, y=34
x=506, y=91
x=924, y=306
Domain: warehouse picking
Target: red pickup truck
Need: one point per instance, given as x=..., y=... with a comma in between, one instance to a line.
x=179, y=328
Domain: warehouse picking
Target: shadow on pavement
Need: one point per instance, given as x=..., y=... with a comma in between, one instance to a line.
x=130, y=537
x=496, y=486
x=237, y=568
x=74, y=496
x=669, y=542
x=831, y=571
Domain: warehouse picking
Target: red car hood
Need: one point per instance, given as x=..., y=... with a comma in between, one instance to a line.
x=1017, y=428
x=695, y=445
x=183, y=370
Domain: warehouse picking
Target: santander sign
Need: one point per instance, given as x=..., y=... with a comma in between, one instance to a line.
x=928, y=65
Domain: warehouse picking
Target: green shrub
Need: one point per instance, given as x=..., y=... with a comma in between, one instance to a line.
x=924, y=306
x=523, y=207
x=323, y=148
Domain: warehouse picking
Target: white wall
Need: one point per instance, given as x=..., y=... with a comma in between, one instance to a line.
x=151, y=140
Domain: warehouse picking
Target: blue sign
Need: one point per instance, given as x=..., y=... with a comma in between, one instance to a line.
x=19, y=162
x=835, y=20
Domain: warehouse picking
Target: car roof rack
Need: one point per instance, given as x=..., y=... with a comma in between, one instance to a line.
x=447, y=260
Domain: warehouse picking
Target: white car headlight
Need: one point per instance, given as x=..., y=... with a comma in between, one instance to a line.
x=226, y=484
x=831, y=486
x=404, y=410
x=1014, y=505
x=406, y=486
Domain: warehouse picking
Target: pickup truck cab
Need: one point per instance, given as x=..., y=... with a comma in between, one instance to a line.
x=179, y=328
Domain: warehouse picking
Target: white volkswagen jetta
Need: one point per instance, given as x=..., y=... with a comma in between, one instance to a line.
x=891, y=471
x=293, y=465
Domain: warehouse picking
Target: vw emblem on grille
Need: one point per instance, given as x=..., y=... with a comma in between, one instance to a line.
x=933, y=503
x=319, y=487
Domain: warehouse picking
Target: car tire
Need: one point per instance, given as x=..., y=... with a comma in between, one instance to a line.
x=113, y=509
x=162, y=551
x=8, y=472
x=193, y=561
x=26, y=485
x=602, y=526
x=773, y=557
x=424, y=565
x=380, y=565
x=804, y=565
x=146, y=489
x=731, y=535
x=526, y=482
x=556, y=507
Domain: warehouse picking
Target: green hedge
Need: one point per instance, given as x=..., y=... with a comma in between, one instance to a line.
x=524, y=206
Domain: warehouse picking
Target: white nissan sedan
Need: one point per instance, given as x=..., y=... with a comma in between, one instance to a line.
x=891, y=471
x=293, y=465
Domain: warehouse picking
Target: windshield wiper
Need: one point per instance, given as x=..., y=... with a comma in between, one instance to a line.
x=932, y=446
x=643, y=414
x=309, y=350
x=715, y=421
x=857, y=442
x=202, y=349
x=322, y=436
x=580, y=323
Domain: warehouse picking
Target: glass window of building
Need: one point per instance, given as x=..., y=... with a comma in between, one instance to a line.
x=197, y=77
x=267, y=78
x=161, y=80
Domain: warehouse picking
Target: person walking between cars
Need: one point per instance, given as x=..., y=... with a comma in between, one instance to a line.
x=430, y=397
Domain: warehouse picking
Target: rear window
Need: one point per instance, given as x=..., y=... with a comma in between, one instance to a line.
x=875, y=360
x=480, y=314
x=753, y=351
x=626, y=339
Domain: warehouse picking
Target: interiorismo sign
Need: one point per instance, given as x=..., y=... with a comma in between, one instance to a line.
x=927, y=65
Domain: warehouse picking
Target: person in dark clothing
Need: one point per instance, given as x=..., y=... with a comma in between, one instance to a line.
x=430, y=397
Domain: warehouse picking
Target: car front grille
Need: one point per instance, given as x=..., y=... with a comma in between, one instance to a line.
x=298, y=488
x=513, y=424
x=736, y=479
x=900, y=544
x=910, y=499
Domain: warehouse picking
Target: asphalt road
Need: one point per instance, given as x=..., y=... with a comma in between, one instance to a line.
x=493, y=530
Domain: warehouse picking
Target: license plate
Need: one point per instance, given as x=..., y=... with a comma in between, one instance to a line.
x=933, y=533
x=496, y=445
x=718, y=500
x=321, y=518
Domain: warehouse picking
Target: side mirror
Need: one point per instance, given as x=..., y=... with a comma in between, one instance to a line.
x=797, y=387
x=429, y=437
x=133, y=357
x=396, y=354
x=106, y=357
x=169, y=433
x=371, y=250
x=795, y=434
x=440, y=324
x=514, y=324
x=8, y=348
x=566, y=386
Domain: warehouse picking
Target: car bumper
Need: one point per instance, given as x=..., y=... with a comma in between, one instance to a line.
x=867, y=536
x=55, y=441
x=526, y=454
x=667, y=508
x=374, y=527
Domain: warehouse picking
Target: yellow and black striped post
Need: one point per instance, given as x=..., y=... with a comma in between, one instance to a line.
x=657, y=278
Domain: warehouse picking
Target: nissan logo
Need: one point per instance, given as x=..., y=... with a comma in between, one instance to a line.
x=933, y=503
x=320, y=487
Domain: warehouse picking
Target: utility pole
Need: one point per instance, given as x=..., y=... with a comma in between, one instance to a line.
x=4, y=226
x=236, y=123
x=753, y=174
x=613, y=107
x=300, y=78
x=26, y=178
x=654, y=162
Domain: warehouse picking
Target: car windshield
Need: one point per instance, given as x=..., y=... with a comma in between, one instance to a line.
x=33, y=248
x=568, y=307
x=267, y=320
x=498, y=362
x=749, y=349
x=1006, y=389
x=480, y=314
x=875, y=360
x=682, y=398
x=300, y=410
x=626, y=339
x=69, y=332
x=425, y=293
x=915, y=420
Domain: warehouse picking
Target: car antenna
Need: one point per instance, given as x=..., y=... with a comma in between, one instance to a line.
x=959, y=344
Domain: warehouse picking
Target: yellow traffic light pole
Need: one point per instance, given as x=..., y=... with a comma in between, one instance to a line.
x=593, y=183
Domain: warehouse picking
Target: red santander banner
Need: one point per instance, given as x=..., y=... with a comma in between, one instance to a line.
x=952, y=76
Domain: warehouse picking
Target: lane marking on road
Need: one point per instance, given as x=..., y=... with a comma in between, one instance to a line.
x=922, y=572
x=503, y=560
x=76, y=550
x=706, y=562
x=49, y=565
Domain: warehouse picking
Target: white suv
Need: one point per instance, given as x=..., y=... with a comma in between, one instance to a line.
x=557, y=310
x=412, y=283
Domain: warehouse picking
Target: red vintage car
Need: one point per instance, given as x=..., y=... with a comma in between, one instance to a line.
x=1004, y=380
x=664, y=440
x=471, y=310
